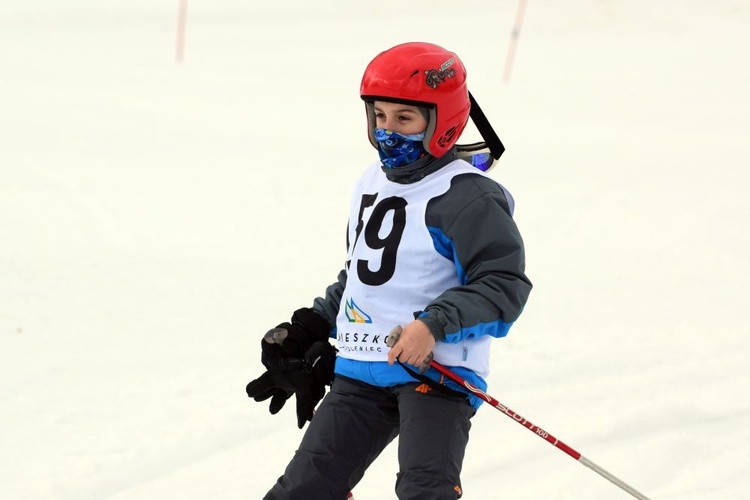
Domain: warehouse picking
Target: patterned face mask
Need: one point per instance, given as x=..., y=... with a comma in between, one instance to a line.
x=397, y=150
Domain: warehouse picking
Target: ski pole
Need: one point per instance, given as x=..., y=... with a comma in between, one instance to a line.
x=537, y=430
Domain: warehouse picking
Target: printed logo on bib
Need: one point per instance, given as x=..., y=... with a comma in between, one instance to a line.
x=353, y=338
x=354, y=314
x=360, y=341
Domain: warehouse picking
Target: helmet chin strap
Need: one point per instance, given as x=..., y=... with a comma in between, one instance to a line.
x=491, y=146
x=491, y=140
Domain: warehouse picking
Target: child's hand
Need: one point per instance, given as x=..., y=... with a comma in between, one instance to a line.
x=414, y=344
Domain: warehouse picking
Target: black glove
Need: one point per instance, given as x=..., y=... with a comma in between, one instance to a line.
x=299, y=360
x=289, y=342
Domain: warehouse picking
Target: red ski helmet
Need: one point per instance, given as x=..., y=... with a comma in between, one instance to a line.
x=420, y=74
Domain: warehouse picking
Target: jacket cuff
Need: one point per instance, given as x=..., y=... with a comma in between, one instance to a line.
x=431, y=319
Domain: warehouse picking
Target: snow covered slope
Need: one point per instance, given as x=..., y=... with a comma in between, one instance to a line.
x=152, y=216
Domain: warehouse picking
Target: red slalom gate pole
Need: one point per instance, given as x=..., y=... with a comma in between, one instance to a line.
x=537, y=430
x=181, y=21
x=514, y=35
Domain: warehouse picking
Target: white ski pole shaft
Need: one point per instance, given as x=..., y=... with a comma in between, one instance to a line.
x=538, y=430
x=612, y=478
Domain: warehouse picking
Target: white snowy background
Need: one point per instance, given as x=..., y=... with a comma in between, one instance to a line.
x=157, y=218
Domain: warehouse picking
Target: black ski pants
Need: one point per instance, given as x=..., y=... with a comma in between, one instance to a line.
x=356, y=421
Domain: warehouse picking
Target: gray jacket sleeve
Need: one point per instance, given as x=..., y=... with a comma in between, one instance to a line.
x=472, y=223
x=328, y=306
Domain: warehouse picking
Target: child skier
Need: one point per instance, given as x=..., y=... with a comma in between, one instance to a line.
x=431, y=247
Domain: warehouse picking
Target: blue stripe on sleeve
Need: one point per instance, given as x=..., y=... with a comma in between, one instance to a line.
x=444, y=246
x=495, y=329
